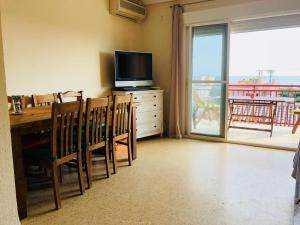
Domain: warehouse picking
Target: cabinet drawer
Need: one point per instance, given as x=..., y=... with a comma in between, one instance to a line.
x=143, y=130
x=149, y=106
x=147, y=97
x=149, y=117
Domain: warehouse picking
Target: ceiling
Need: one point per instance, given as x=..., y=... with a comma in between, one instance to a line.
x=147, y=2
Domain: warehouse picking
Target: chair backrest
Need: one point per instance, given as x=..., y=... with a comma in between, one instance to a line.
x=122, y=110
x=70, y=96
x=44, y=100
x=97, y=120
x=66, y=128
x=10, y=103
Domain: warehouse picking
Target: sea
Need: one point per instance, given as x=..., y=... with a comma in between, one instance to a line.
x=292, y=80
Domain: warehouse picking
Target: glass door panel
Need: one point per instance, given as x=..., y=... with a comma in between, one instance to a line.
x=207, y=109
x=208, y=81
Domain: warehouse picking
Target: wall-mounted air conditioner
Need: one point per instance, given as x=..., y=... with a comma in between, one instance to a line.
x=132, y=9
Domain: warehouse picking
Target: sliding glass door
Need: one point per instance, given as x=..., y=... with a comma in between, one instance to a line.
x=208, y=80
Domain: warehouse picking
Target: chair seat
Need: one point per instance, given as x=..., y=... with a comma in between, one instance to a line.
x=37, y=153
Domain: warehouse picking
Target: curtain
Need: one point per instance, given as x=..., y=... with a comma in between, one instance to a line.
x=177, y=90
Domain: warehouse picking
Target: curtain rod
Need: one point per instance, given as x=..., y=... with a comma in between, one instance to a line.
x=193, y=3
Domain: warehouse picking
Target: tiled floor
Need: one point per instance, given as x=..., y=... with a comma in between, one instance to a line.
x=282, y=136
x=180, y=182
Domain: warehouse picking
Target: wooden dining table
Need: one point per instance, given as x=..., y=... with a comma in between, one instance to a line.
x=32, y=118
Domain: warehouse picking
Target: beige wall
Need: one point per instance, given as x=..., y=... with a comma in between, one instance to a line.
x=8, y=205
x=157, y=39
x=52, y=46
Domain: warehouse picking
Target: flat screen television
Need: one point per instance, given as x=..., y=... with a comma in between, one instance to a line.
x=133, y=69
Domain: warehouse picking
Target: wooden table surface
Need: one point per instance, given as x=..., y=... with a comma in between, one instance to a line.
x=262, y=98
x=33, y=117
x=35, y=114
x=30, y=115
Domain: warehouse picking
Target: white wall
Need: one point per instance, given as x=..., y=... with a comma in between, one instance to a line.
x=8, y=205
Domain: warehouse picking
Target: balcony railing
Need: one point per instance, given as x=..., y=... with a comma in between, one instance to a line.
x=284, y=113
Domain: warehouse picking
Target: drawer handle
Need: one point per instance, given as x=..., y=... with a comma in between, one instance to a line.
x=154, y=115
x=135, y=98
x=154, y=105
x=154, y=96
x=154, y=126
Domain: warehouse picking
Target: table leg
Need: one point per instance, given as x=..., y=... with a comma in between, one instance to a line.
x=20, y=180
x=133, y=133
x=296, y=126
x=230, y=112
x=273, y=111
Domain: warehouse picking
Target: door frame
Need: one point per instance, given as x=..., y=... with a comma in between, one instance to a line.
x=187, y=59
x=186, y=56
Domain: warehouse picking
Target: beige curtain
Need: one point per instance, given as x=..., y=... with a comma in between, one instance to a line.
x=177, y=91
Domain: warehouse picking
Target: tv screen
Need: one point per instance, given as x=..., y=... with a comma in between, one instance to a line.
x=133, y=68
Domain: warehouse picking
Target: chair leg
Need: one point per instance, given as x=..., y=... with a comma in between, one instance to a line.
x=110, y=151
x=60, y=173
x=114, y=156
x=88, y=168
x=296, y=126
x=55, y=183
x=107, y=159
x=129, y=151
x=80, y=172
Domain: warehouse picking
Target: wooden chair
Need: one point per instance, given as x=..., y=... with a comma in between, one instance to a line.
x=73, y=95
x=97, y=120
x=44, y=100
x=121, y=126
x=41, y=134
x=203, y=109
x=65, y=144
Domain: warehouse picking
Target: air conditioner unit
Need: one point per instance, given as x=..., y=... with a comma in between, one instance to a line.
x=131, y=9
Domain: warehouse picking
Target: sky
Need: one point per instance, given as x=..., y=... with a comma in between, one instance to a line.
x=277, y=50
x=273, y=49
x=207, y=56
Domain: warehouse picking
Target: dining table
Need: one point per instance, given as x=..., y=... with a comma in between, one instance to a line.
x=32, y=118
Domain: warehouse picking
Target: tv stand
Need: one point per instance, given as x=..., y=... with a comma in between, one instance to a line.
x=146, y=88
x=149, y=110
